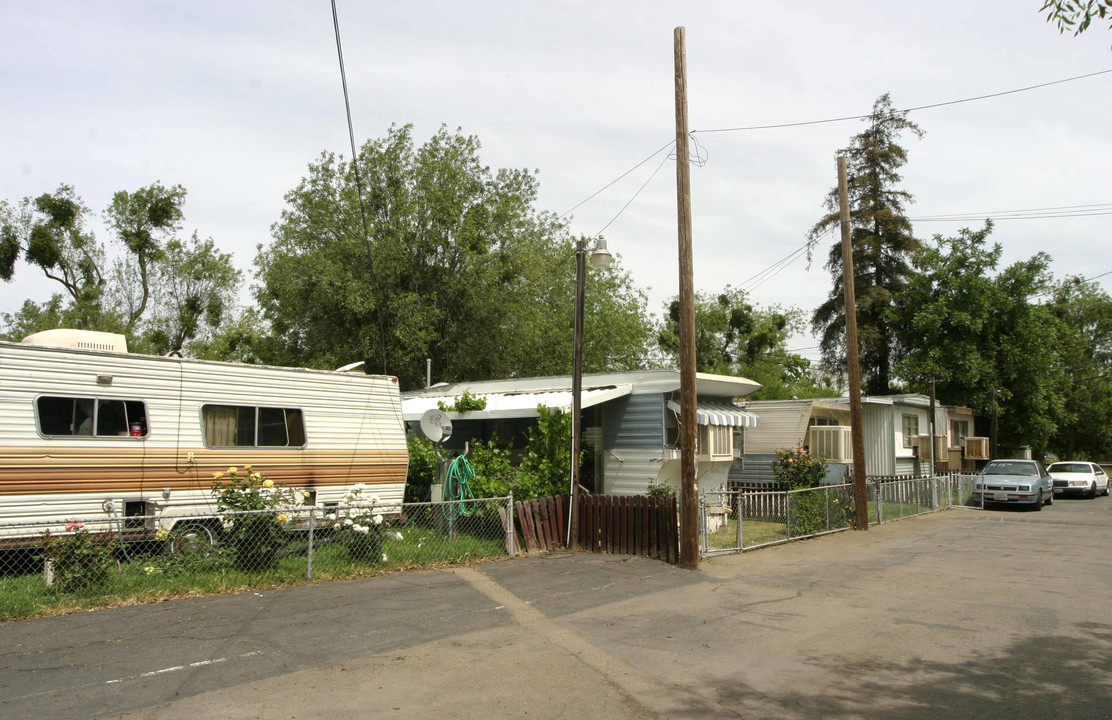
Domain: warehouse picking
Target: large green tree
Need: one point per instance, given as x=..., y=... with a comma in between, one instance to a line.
x=160, y=291
x=979, y=333
x=881, y=240
x=1084, y=351
x=454, y=263
x=732, y=337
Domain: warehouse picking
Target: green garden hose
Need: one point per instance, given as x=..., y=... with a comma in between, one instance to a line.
x=457, y=487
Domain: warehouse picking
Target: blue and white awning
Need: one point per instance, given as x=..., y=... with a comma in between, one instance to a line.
x=716, y=413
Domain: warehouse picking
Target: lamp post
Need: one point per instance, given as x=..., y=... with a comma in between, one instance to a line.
x=601, y=259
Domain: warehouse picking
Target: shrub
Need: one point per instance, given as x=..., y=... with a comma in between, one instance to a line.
x=81, y=562
x=259, y=533
x=799, y=470
x=661, y=490
x=359, y=525
x=422, y=468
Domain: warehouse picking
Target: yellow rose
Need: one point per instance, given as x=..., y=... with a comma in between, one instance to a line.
x=233, y=470
x=247, y=467
x=282, y=517
x=217, y=475
x=306, y=493
x=268, y=483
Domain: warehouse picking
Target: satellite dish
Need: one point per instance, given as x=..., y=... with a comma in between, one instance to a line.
x=436, y=425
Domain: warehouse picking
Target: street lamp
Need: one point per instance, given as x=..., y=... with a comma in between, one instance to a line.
x=600, y=258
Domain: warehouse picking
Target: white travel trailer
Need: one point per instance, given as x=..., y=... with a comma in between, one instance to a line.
x=88, y=430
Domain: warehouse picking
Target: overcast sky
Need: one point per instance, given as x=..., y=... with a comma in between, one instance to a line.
x=234, y=99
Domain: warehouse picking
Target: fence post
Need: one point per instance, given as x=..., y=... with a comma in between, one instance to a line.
x=510, y=527
x=703, y=522
x=738, y=503
x=788, y=512
x=309, y=551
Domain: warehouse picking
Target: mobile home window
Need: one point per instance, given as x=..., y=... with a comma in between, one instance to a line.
x=959, y=430
x=910, y=430
x=91, y=417
x=715, y=440
x=250, y=426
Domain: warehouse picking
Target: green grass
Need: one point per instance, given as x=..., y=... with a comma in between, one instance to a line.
x=152, y=577
x=754, y=532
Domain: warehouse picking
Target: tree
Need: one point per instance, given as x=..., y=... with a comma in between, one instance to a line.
x=196, y=288
x=734, y=338
x=455, y=265
x=1084, y=351
x=144, y=220
x=881, y=240
x=977, y=332
x=50, y=230
x=1076, y=15
x=159, y=291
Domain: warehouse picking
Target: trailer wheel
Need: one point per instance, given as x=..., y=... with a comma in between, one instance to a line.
x=192, y=538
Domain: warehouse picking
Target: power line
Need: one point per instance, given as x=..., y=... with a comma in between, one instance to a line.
x=906, y=110
x=1014, y=215
x=612, y=182
x=630, y=201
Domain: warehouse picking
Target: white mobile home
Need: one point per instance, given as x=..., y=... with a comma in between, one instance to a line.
x=89, y=430
x=896, y=430
x=630, y=422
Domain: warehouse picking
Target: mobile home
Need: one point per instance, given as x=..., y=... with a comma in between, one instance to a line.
x=89, y=430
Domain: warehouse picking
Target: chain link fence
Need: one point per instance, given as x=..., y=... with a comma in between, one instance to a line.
x=737, y=520
x=85, y=562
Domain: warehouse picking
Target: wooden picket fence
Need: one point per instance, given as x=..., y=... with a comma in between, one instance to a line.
x=633, y=525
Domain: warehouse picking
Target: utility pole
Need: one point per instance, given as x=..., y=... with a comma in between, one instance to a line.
x=689, y=497
x=860, y=492
x=934, y=460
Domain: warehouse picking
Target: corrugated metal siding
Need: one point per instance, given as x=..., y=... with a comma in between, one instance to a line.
x=635, y=422
x=906, y=466
x=757, y=468
x=880, y=439
x=629, y=471
x=781, y=427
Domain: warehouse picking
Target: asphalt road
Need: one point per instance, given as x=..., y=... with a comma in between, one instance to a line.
x=959, y=614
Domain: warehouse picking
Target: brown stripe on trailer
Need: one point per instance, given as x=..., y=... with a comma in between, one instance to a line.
x=27, y=470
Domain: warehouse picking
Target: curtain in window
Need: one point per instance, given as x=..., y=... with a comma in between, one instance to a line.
x=220, y=425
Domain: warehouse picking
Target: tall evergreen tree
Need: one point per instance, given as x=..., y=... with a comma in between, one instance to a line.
x=882, y=242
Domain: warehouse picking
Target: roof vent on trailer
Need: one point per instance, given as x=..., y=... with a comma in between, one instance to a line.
x=79, y=339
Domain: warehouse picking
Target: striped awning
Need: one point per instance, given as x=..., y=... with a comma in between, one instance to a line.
x=716, y=413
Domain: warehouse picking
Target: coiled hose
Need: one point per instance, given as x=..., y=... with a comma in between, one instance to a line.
x=457, y=487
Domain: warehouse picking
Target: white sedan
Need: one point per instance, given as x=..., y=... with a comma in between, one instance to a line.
x=1079, y=478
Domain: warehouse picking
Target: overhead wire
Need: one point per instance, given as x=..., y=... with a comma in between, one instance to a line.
x=608, y=185
x=905, y=110
x=630, y=201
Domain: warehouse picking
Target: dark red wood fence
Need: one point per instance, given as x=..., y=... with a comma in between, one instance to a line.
x=633, y=525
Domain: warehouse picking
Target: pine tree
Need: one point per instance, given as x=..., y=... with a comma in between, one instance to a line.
x=882, y=243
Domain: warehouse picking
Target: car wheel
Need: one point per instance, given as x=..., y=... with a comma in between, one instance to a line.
x=192, y=538
x=1050, y=498
x=1105, y=493
x=1092, y=491
x=1039, y=504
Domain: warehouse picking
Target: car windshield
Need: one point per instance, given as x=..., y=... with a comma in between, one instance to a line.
x=1069, y=468
x=1012, y=468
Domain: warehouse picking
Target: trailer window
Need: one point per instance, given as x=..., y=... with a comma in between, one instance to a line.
x=68, y=417
x=248, y=426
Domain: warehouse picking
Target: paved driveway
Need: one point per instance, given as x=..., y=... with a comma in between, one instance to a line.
x=960, y=614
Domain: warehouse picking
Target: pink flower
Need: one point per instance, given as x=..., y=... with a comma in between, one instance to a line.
x=74, y=524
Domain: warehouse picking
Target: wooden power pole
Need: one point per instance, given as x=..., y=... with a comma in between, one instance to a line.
x=689, y=496
x=860, y=492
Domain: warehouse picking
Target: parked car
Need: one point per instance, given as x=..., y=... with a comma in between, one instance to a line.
x=1014, y=482
x=1078, y=478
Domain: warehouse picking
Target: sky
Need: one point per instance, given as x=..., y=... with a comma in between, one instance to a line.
x=233, y=100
